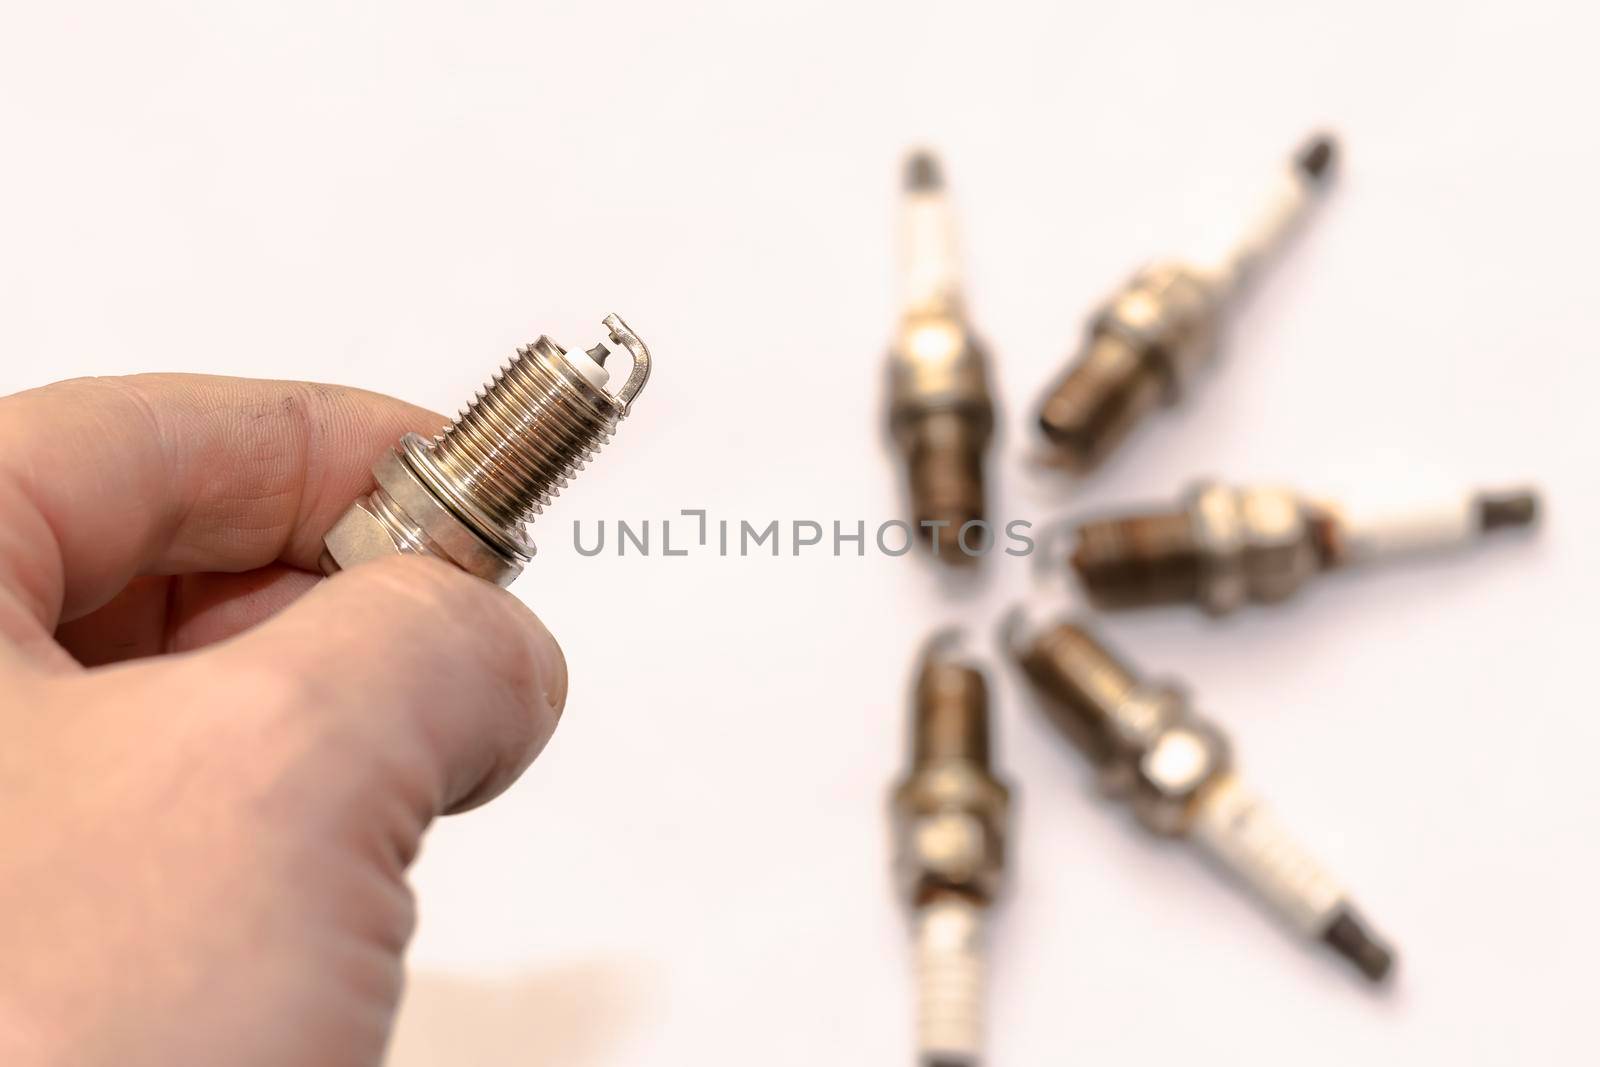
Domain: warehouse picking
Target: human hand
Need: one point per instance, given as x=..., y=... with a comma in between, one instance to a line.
x=215, y=766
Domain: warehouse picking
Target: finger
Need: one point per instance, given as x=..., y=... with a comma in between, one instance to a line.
x=104, y=479
x=440, y=683
x=181, y=612
x=24, y=644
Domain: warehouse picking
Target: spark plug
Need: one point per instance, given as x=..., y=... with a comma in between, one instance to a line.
x=1147, y=344
x=949, y=816
x=941, y=417
x=1175, y=770
x=1222, y=546
x=468, y=495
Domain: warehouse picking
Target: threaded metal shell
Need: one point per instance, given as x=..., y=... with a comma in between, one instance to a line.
x=517, y=445
x=1085, y=681
x=1107, y=391
x=1142, y=560
x=945, y=461
x=950, y=716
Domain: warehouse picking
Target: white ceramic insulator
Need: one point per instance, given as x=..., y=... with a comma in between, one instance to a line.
x=1371, y=536
x=597, y=375
x=931, y=270
x=1241, y=834
x=1267, y=233
x=950, y=981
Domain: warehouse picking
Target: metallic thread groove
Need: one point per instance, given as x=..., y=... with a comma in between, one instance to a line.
x=522, y=439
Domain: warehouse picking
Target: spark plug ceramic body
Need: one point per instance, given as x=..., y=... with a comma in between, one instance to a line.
x=1223, y=547
x=1175, y=770
x=467, y=496
x=941, y=415
x=1150, y=341
x=950, y=819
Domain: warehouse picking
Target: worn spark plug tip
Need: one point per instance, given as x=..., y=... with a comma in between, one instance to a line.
x=923, y=171
x=1499, y=510
x=1316, y=158
x=1349, y=937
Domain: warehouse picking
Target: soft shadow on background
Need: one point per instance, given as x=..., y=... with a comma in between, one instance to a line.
x=575, y=1015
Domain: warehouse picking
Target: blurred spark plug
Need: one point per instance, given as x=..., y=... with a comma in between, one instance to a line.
x=941, y=416
x=1223, y=546
x=1175, y=770
x=1149, y=341
x=949, y=816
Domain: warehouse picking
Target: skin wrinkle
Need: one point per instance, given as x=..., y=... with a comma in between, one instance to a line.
x=378, y=906
x=309, y=458
x=128, y=388
x=395, y=833
x=172, y=606
x=237, y=432
x=45, y=595
x=289, y=447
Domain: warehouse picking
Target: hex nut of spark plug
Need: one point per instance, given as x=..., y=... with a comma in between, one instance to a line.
x=404, y=516
x=1173, y=772
x=360, y=535
x=1169, y=313
x=951, y=833
x=1256, y=544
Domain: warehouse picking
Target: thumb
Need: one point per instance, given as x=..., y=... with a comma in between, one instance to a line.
x=424, y=672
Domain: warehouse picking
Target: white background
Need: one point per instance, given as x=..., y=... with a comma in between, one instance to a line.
x=394, y=196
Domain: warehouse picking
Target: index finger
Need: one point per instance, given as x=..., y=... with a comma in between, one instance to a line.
x=105, y=479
